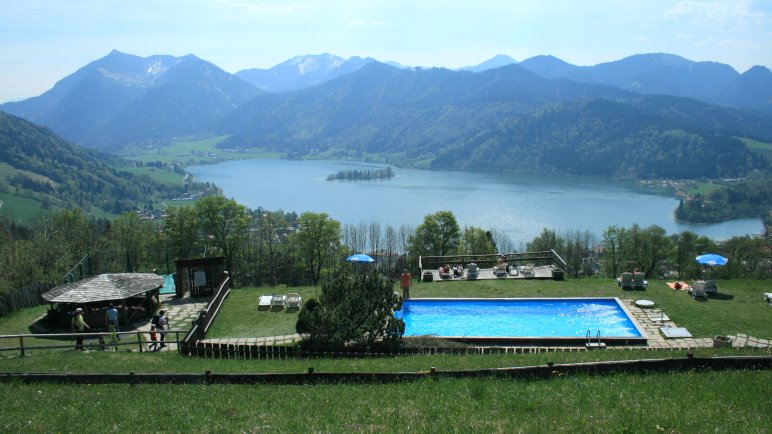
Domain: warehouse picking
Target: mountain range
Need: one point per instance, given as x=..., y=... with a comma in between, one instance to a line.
x=649, y=108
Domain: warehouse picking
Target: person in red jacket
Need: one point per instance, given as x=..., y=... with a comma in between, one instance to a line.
x=404, y=282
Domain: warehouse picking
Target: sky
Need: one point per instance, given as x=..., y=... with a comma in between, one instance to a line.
x=43, y=41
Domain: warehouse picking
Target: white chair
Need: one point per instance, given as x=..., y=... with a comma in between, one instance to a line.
x=294, y=300
x=264, y=303
x=278, y=302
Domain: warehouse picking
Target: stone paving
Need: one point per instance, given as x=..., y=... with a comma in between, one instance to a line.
x=648, y=319
x=181, y=312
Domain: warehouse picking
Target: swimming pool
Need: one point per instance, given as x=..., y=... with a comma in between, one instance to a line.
x=531, y=319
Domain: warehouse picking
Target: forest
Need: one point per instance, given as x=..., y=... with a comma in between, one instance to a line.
x=263, y=247
x=362, y=175
x=742, y=199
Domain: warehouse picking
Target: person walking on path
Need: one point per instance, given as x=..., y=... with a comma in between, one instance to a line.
x=163, y=323
x=153, y=339
x=404, y=281
x=80, y=326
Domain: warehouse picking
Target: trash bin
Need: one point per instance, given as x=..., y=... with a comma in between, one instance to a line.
x=428, y=276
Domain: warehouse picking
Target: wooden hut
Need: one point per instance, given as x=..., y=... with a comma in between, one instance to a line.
x=133, y=294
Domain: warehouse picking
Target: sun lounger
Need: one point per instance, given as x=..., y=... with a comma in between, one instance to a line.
x=710, y=287
x=675, y=332
x=445, y=273
x=472, y=271
x=638, y=281
x=501, y=271
x=294, y=300
x=264, y=303
x=625, y=280
x=278, y=302
x=698, y=289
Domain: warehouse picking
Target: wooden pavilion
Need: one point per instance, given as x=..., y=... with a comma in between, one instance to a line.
x=133, y=294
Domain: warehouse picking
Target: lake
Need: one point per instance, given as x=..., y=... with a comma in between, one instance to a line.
x=518, y=205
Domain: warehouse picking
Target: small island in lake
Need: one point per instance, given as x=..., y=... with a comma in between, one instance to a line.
x=362, y=175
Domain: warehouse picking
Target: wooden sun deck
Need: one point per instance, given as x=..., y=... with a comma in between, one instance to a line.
x=521, y=272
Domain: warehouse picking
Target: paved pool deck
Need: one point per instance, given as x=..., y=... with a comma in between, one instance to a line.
x=643, y=316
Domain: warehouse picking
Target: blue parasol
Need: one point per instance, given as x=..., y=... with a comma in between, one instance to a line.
x=360, y=257
x=712, y=259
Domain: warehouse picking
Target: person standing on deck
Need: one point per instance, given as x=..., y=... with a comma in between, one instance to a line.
x=404, y=281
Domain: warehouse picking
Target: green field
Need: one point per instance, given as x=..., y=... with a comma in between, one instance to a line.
x=680, y=401
x=159, y=175
x=21, y=208
x=193, y=152
x=702, y=188
x=762, y=148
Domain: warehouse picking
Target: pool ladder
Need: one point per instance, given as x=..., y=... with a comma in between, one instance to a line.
x=597, y=344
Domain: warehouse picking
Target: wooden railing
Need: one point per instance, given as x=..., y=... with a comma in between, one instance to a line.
x=545, y=257
x=205, y=318
x=91, y=341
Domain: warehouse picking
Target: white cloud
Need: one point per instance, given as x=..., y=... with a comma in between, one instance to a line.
x=721, y=13
x=366, y=23
x=640, y=38
x=683, y=36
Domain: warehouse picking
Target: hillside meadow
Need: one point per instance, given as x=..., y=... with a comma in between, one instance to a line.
x=680, y=401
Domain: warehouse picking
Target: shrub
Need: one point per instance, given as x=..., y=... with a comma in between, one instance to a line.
x=355, y=308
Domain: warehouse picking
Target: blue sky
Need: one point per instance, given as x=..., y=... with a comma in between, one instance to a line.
x=42, y=41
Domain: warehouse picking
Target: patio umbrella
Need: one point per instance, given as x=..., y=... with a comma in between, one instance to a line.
x=712, y=259
x=360, y=257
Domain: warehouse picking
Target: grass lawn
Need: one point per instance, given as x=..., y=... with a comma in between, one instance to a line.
x=738, y=308
x=684, y=401
x=728, y=401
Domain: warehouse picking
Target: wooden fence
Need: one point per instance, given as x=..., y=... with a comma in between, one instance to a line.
x=91, y=341
x=548, y=370
x=22, y=298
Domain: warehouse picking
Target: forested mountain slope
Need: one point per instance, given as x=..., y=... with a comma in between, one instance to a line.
x=40, y=165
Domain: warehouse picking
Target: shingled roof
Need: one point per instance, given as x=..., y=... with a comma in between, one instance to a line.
x=104, y=287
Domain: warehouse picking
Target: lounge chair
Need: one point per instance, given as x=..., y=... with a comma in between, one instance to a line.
x=638, y=281
x=710, y=287
x=472, y=271
x=445, y=273
x=698, y=289
x=294, y=301
x=625, y=280
x=501, y=271
x=264, y=303
x=278, y=302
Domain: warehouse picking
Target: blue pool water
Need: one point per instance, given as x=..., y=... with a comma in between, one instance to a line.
x=520, y=318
